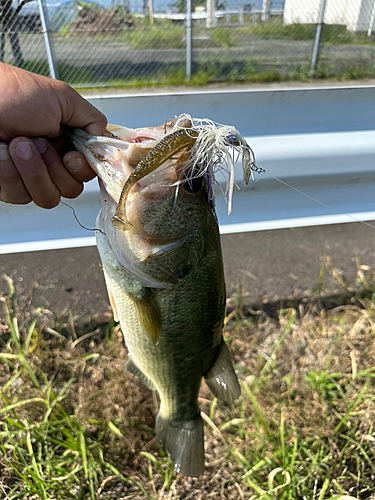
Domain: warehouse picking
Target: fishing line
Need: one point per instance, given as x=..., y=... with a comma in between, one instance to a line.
x=323, y=204
x=76, y=218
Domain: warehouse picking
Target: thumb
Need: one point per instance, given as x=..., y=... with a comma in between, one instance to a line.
x=78, y=112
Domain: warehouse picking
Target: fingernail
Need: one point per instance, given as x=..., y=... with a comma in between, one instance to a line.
x=75, y=165
x=40, y=144
x=23, y=150
x=4, y=152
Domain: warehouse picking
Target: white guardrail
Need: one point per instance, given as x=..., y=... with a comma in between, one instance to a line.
x=320, y=141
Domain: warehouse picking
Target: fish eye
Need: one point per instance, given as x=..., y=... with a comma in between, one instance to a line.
x=232, y=140
x=193, y=186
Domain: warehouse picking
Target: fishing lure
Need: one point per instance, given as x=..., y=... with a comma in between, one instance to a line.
x=208, y=145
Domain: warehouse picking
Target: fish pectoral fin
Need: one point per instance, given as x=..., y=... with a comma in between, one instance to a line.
x=131, y=367
x=184, y=444
x=149, y=315
x=221, y=378
x=111, y=298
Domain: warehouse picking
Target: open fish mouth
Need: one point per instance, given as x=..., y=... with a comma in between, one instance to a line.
x=200, y=148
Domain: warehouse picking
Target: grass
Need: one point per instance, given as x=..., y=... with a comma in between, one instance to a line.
x=67, y=72
x=73, y=424
x=209, y=71
x=274, y=29
x=165, y=33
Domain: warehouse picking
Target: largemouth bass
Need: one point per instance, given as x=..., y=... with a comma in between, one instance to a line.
x=158, y=238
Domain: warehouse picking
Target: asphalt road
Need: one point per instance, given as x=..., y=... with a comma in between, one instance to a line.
x=265, y=265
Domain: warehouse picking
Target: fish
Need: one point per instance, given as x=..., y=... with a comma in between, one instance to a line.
x=158, y=238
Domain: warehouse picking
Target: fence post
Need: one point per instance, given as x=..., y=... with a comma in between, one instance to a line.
x=46, y=30
x=240, y=15
x=318, y=34
x=266, y=7
x=371, y=25
x=188, y=40
x=210, y=10
x=151, y=11
x=2, y=44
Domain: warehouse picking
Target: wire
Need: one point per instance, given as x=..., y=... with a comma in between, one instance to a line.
x=76, y=218
x=321, y=203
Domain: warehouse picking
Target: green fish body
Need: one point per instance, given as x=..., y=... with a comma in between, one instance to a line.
x=165, y=281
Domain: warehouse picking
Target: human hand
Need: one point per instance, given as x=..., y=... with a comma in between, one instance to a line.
x=32, y=110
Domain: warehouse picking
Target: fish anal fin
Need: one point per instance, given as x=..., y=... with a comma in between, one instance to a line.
x=184, y=444
x=131, y=367
x=221, y=378
x=149, y=315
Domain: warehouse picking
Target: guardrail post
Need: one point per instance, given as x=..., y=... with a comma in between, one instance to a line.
x=46, y=30
x=188, y=40
x=318, y=34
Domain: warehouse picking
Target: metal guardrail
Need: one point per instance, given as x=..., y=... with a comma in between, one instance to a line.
x=319, y=141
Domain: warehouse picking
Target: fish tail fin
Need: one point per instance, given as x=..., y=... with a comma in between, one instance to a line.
x=184, y=444
x=221, y=377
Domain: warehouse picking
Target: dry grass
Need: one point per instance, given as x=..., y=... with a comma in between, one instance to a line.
x=73, y=424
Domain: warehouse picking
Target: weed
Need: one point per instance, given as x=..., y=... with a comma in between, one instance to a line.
x=73, y=424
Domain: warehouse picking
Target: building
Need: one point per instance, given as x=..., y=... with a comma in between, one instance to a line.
x=356, y=15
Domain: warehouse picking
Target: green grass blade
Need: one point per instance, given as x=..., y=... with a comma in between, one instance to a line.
x=257, y=409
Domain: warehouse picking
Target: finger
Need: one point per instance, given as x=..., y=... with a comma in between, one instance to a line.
x=61, y=178
x=77, y=165
x=62, y=144
x=12, y=188
x=34, y=173
x=78, y=112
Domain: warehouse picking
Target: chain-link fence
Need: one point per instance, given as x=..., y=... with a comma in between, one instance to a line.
x=136, y=42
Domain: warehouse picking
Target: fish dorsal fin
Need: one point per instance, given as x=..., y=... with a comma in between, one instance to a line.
x=221, y=378
x=149, y=315
x=131, y=367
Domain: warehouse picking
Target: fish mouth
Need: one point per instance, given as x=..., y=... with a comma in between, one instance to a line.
x=115, y=157
x=174, y=143
x=188, y=148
